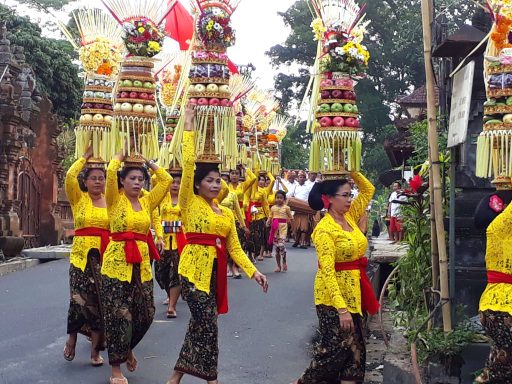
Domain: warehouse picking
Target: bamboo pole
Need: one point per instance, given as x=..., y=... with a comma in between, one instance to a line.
x=426, y=16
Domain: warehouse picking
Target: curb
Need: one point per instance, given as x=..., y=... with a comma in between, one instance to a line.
x=17, y=265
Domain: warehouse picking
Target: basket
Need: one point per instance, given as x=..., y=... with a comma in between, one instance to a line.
x=499, y=92
x=338, y=87
x=96, y=111
x=334, y=114
x=137, y=101
x=332, y=101
x=94, y=124
x=495, y=109
x=328, y=129
x=209, y=80
x=135, y=89
x=498, y=127
x=495, y=69
x=98, y=88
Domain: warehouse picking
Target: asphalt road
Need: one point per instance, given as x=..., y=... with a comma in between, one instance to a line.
x=264, y=339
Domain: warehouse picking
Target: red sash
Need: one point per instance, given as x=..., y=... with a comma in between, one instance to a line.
x=248, y=214
x=495, y=277
x=369, y=302
x=181, y=240
x=274, y=228
x=131, y=250
x=104, y=234
x=219, y=243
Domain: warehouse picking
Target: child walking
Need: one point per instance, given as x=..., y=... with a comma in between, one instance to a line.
x=280, y=216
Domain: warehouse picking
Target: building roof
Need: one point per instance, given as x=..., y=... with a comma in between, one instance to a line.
x=418, y=97
x=461, y=43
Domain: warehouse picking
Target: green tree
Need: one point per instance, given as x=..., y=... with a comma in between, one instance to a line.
x=295, y=148
x=51, y=60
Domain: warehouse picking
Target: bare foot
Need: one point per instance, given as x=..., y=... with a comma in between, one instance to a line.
x=69, y=348
x=285, y=267
x=278, y=269
x=131, y=362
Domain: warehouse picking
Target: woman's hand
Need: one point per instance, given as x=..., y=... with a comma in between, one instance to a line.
x=119, y=155
x=261, y=279
x=88, y=153
x=190, y=114
x=346, y=321
x=160, y=245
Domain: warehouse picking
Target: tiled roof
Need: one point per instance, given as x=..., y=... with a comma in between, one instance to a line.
x=418, y=97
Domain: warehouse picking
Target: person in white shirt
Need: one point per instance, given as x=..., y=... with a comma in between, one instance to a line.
x=394, y=208
x=302, y=220
x=312, y=176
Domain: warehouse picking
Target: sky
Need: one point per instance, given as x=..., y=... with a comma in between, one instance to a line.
x=257, y=24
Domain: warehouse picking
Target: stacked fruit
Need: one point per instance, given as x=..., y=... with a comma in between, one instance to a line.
x=337, y=105
x=136, y=90
x=96, y=110
x=209, y=78
x=172, y=117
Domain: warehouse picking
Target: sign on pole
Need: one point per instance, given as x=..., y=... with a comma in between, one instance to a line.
x=461, y=104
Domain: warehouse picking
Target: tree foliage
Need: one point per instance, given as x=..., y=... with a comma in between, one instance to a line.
x=51, y=60
x=396, y=64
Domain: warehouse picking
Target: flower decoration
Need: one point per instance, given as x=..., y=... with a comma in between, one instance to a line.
x=143, y=38
x=170, y=81
x=214, y=28
x=318, y=28
x=100, y=57
x=344, y=55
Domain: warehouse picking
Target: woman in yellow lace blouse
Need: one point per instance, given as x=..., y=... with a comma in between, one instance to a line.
x=258, y=212
x=166, y=270
x=342, y=289
x=496, y=301
x=127, y=289
x=211, y=233
x=232, y=203
x=91, y=238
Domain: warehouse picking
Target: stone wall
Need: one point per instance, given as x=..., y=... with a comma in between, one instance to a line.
x=30, y=171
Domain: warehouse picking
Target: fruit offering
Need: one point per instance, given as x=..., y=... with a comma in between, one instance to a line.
x=135, y=110
x=494, y=144
x=337, y=108
x=209, y=79
x=334, y=115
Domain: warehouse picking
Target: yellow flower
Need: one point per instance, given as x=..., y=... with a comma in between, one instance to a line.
x=154, y=46
x=318, y=28
x=141, y=29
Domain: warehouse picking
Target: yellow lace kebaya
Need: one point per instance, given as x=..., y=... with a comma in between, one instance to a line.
x=231, y=202
x=260, y=195
x=123, y=218
x=498, y=258
x=243, y=187
x=333, y=244
x=196, y=261
x=156, y=221
x=85, y=215
x=170, y=212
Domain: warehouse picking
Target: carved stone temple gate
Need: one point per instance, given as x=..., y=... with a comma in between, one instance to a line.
x=31, y=213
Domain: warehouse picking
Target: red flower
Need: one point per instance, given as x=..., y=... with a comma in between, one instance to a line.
x=415, y=182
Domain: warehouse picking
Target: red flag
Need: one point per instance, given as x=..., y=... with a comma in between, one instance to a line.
x=179, y=26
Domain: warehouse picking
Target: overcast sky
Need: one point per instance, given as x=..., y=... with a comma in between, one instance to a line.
x=258, y=27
